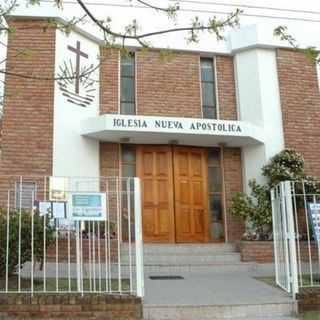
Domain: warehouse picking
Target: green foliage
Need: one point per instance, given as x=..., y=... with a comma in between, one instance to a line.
x=286, y=165
x=254, y=208
x=26, y=220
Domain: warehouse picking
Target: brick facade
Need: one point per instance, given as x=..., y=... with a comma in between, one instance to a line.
x=168, y=87
x=27, y=131
x=226, y=88
x=300, y=102
x=233, y=183
x=109, y=80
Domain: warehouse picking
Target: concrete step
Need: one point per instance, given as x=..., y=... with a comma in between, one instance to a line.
x=200, y=268
x=183, y=249
x=185, y=259
x=211, y=312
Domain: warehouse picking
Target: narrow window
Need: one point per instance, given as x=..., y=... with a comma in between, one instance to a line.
x=215, y=194
x=128, y=170
x=127, y=85
x=25, y=192
x=209, y=108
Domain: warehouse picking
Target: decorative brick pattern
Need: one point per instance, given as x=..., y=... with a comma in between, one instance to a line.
x=300, y=102
x=226, y=88
x=168, y=87
x=71, y=306
x=109, y=81
x=233, y=184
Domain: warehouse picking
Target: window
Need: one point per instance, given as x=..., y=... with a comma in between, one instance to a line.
x=127, y=85
x=128, y=170
x=209, y=108
x=215, y=194
x=25, y=192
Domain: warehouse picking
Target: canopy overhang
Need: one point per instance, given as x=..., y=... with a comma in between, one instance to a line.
x=171, y=130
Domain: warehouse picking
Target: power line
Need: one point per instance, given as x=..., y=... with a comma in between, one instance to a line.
x=248, y=6
x=191, y=10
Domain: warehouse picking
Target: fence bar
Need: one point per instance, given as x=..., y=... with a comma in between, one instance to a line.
x=292, y=239
x=308, y=233
x=89, y=255
x=32, y=239
x=69, y=258
x=19, y=236
x=138, y=238
x=118, y=234
x=99, y=256
x=129, y=231
x=8, y=239
x=297, y=233
x=94, y=255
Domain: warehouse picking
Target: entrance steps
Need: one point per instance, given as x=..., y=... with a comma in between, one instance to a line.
x=215, y=285
x=168, y=258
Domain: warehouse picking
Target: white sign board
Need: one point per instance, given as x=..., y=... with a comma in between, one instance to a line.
x=314, y=214
x=87, y=206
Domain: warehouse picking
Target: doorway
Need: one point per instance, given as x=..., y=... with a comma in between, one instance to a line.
x=174, y=183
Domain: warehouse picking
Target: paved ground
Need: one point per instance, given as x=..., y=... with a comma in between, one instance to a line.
x=212, y=289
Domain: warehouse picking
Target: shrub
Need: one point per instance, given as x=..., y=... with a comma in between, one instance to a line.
x=255, y=209
x=25, y=239
x=286, y=165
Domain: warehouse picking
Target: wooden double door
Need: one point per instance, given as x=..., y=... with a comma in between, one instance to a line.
x=174, y=193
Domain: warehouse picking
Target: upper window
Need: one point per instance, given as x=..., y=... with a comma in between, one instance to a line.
x=209, y=108
x=127, y=99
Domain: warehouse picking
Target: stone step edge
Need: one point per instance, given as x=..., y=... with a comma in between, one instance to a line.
x=145, y=305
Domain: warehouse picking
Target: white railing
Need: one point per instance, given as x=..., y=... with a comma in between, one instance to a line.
x=296, y=226
x=71, y=234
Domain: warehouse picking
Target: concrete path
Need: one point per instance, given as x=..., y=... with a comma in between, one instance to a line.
x=212, y=289
x=210, y=296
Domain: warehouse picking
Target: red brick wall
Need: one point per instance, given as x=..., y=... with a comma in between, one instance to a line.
x=109, y=81
x=27, y=139
x=233, y=183
x=226, y=88
x=300, y=102
x=71, y=306
x=168, y=87
x=262, y=251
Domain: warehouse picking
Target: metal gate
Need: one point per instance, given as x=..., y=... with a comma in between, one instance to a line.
x=296, y=240
x=50, y=243
x=284, y=237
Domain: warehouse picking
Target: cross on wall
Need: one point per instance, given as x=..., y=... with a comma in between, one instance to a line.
x=79, y=54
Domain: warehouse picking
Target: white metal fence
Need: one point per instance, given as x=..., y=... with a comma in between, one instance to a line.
x=50, y=245
x=296, y=227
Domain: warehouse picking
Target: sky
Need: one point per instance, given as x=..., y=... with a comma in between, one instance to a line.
x=301, y=17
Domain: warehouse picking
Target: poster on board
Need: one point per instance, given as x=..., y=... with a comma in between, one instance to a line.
x=87, y=206
x=314, y=215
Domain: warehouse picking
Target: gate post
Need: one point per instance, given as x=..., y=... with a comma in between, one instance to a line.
x=291, y=236
x=138, y=238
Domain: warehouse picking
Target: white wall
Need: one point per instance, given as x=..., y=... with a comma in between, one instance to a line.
x=259, y=103
x=73, y=154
